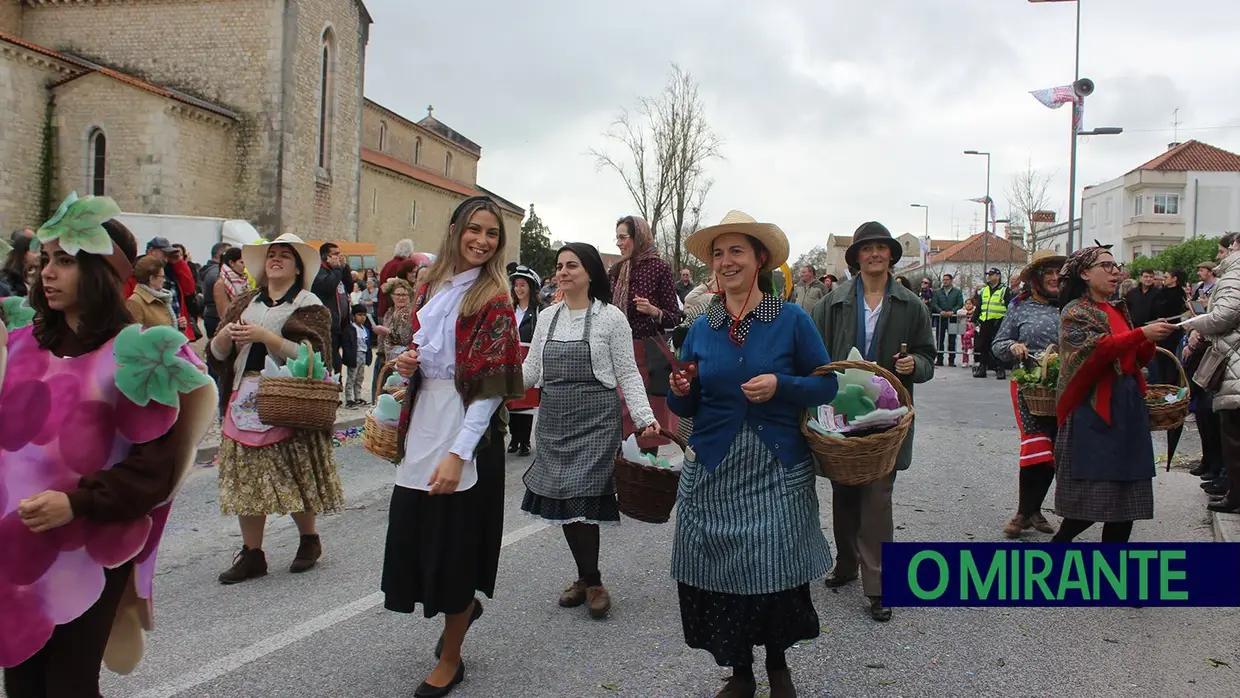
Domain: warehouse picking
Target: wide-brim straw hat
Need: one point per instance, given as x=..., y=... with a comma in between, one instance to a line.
x=1042, y=258
x=255, y=258
x=700, y=241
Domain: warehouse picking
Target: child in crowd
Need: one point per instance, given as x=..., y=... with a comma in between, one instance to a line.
x=966, y=340
x=354, y=383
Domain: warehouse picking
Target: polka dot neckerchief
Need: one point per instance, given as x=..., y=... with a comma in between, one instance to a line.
x=767, y=310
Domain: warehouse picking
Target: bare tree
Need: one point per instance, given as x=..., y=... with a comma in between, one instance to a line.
x=817, y=257
x=667, y=145
x=1027, y=194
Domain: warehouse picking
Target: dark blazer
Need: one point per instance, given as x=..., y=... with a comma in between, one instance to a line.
x=526, y=329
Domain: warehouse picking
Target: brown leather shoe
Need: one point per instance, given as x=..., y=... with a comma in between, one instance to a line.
x=574, y=595
x=738, y=688
x=248, y=564
x=1014, y=527
x=878, y=611
x=598, y=601
x=781, y=683
x=836, y=579
x=308, y=553
x=1039, y=522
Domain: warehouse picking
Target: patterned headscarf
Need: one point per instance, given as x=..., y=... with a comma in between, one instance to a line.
x=1081, y=260
x=643, y=249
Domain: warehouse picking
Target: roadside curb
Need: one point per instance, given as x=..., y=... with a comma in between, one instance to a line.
x=207, y=453
x=1226, y=527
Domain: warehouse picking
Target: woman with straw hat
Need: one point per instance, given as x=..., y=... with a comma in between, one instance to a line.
x=744, y=578
x=1029, y=328
x=264, y=469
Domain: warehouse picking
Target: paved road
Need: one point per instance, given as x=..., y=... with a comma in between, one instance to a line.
x=325, y=633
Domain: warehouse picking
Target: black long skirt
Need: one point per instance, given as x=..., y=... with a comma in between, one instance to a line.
x=729, y=626
x=442, y=549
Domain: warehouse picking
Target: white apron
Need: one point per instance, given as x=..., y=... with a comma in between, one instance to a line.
x=438, y=414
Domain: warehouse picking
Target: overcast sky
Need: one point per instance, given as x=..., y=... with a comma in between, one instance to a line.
x=833, y=112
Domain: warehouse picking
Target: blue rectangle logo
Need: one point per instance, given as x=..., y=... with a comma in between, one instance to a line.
x=1061, y=574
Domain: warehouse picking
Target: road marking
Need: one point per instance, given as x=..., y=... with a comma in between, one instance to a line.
x=297, y=633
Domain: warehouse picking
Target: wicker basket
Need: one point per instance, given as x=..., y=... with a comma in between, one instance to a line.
x=1165, y=416
x=384, y=373
x=857, y=460
x=298, y=403
x=1040, y=400
x=379, y=438
x=647, y=493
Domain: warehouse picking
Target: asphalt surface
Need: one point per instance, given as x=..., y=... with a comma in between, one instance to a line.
x=325, y=633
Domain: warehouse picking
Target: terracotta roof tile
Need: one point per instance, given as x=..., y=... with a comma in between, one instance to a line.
x=970, y=250
x=90, y=67
x=1194, y=156
x=425, y=176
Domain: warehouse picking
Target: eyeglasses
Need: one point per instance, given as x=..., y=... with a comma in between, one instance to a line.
x=621, y=238
x=1110, y=267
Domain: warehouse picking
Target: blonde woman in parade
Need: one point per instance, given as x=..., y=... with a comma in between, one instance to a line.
x=582, y=351
x=267, y=470
x=446, y=520
x=102, y=420
x=748, y=536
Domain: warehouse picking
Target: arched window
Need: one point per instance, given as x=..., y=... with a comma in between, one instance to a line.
x=98, y=158
x=447, y=165
x=383, y=136
x=327, y=90
x=417, y=150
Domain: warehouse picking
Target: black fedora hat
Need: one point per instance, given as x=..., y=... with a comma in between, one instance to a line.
x=872, y=232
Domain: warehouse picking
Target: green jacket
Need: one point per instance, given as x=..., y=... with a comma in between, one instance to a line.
x=942, y=300
x=904, y=319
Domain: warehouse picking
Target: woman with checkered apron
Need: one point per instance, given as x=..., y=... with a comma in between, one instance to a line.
x=1104, y=455
x=581, y=352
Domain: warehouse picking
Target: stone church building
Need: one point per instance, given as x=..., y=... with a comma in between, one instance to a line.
x=250, y=109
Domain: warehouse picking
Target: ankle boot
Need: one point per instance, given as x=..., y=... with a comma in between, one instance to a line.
x=780, y=681
x=1014, y=527
x=308, y=553
x=248, y=564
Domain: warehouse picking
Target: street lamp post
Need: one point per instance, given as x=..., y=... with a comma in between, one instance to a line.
x=925, y=234
x=986, y=214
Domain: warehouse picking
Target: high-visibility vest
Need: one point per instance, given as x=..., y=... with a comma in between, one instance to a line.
x=993, y=307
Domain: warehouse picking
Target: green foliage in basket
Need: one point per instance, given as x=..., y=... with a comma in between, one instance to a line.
x=307, y=365
x=1044, y=375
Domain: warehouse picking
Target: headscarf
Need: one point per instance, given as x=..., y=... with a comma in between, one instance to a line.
x=643, y=249
x=1081, y=260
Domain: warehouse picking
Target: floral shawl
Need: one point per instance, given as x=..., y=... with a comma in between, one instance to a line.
x=1089, y=356
x=643, y=249
x=488, y=360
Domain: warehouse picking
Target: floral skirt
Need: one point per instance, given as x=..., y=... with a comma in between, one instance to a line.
x=293, y=476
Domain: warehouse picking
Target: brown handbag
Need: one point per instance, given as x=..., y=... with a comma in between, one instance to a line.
x=1209, y=373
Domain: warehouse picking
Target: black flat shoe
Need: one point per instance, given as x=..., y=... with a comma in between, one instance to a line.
x=426, y=690
x=878, y=611
x=835, y=581
x=1216, y=489
x=525, y=451
x=475, y=615
x=1224, y=507
x=512, y=447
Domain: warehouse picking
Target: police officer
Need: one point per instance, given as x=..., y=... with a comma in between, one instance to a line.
x=991, y=305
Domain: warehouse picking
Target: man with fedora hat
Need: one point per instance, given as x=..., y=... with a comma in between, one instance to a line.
x=990, y=307
x=878, y=317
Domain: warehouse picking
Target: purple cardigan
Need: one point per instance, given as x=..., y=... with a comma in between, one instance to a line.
x=652, y=279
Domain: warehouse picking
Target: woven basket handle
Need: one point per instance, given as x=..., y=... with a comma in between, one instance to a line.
x=837, y=366
x=672, y=436
x=1179, y=366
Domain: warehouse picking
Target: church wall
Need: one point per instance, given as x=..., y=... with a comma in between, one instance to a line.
x=11, y=17
x=23, y=100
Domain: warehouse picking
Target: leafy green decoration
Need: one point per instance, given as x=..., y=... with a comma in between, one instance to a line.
x=78, y=225
x=5, y=248
x=148, y=368
x=17, y=313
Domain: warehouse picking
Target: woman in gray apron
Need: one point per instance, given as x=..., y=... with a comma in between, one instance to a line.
x=581, y=352
x=748, y=536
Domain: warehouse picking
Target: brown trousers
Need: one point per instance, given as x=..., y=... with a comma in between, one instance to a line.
x=862, y=520
x=68, y=665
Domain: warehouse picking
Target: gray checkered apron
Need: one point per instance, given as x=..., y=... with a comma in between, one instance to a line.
x=578, y=428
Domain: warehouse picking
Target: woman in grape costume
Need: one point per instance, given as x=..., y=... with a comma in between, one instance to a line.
x=99, y=423
x=264, y=469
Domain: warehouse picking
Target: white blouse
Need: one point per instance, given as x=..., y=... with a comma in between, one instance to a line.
x=611, y=352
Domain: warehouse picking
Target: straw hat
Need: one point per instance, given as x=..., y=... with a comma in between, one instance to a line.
x=1042, y=258
x=699, y=243
x=255, y=258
